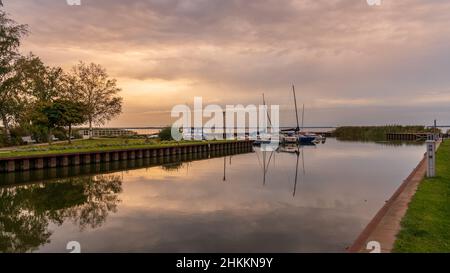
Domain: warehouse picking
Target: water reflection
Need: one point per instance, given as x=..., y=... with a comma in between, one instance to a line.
x=293, y=200
x=27, y=211
x=290, y=148
x=169, y=163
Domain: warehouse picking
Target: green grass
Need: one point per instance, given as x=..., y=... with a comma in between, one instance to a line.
x=426, y=225
x=81, y=146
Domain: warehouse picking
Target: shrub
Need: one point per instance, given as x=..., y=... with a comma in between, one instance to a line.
x=166, y=134
x=60, y=134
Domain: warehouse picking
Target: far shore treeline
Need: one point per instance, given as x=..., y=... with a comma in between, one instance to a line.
x=40, y=101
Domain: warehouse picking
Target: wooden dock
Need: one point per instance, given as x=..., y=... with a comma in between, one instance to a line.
x=37, y=162
x=408, y=136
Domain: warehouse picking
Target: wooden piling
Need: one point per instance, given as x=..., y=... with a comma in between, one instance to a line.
x=11, y=166
x=65, y=161
x=25, y=165
x=52, y=162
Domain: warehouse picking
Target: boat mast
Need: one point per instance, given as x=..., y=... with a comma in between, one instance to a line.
x=296, y=111
x=296, y=172
x=268, y=116
x=303, y=116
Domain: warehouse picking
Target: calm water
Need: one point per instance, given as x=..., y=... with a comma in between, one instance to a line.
x=223, y=204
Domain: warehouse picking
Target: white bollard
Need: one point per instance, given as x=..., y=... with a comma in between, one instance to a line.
x=431, y=158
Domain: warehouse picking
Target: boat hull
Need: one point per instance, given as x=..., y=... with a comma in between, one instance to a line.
x=306, y=139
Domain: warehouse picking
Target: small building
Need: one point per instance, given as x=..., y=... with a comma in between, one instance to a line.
x=106, y=132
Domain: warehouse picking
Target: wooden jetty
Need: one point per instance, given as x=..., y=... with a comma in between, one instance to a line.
x=408, y=136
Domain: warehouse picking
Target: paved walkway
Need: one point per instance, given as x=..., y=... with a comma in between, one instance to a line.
x=385, y=226
x=12, y=148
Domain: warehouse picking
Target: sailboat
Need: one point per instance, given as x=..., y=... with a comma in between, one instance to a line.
x=295, y=135
x=265, y=137
x=306, y=138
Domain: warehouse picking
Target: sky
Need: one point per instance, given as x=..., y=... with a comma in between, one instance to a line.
x=351, y=63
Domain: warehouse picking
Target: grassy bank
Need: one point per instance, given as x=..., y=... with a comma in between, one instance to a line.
x=375, y=133
x=426, y=226
x=81, y=146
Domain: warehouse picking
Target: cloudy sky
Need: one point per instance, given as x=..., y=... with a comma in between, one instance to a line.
x=351, y=63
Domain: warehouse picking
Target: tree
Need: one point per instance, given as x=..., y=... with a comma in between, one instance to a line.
x=38, y=117
x=40, y=82
x=91, y=85
x=166, y=134
x=66, y=113
x=47, y=116
x=10, y=99
x=40, y=86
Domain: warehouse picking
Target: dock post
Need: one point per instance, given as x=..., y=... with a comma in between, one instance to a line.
x=106, y=157
x=25, y=165
x=65, y=161
x=52, y=162
x=86, y=159
x=39, y=163
x=11, y=166
x=431, y=158
x=98, y=158
x=76, y=160
x=124, y=156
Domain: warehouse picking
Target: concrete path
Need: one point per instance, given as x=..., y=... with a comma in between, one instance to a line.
x=13, y=148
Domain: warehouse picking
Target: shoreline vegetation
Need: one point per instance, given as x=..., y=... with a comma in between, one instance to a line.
x=377, y=133
x=426, y=225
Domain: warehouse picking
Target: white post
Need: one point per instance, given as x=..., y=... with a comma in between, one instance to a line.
x=431, y=158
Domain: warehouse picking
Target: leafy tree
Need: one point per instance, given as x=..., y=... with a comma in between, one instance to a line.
x=65, y=113
x=91, y=85
x=48, y=116
x=165, y=134
x=10, y=100
x=40, y=82
x=39, y=123
x=42, y=86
